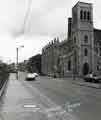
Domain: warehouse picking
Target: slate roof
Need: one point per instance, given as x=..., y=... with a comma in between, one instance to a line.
x=97, y=35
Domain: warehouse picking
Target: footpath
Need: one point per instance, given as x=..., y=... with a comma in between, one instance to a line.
x=87, y=84
x=4, y=86
x=80, y=81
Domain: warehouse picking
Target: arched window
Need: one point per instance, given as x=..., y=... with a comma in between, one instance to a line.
x=69, y=65
x=84, y=14
x=74, y=39
x=88, y=15
x=85, y=39
x=99, y=51
x=81, y=14
x=85, y=52
x=97, y=67
x=85, y=68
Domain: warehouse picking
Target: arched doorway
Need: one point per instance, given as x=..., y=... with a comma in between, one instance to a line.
x=85, y=68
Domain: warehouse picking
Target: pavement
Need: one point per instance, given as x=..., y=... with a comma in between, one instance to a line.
x=88, y=84
x=81, y=82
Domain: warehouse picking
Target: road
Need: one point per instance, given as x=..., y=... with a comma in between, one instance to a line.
x=49, y=99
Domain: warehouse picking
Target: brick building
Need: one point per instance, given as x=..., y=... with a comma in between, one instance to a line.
x=80, y=53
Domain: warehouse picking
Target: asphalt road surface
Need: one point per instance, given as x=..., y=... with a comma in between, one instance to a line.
x=49, y=99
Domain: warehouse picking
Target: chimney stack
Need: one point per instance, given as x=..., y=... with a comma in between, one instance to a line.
x=69, y=27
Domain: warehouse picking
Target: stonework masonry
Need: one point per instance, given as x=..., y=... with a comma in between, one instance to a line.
x=80, y=53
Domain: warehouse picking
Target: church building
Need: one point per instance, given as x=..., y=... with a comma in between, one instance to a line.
x=80, y=53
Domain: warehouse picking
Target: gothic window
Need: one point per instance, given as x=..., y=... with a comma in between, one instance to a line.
x=74, y=39
x=85, y=52
x=88, y=15
x=84, y=14
x=97, y=67
x=96, y=50
x=85, y=39
x=81, y=14
x=69, y=65
x=99, y=51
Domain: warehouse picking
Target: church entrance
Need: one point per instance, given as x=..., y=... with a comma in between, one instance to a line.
x=85, y=68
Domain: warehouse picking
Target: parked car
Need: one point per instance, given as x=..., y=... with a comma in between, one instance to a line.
x=30, y=76
x=92, y=78
x=36, y=74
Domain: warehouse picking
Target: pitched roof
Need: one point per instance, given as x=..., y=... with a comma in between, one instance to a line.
x=97, y=35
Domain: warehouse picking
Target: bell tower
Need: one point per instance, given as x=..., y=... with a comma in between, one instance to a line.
x=82, y=36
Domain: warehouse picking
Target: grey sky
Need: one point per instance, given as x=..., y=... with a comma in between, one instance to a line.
x=47, y=19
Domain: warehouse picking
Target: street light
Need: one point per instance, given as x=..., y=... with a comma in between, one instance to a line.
x=17, y=50
x=23, y=31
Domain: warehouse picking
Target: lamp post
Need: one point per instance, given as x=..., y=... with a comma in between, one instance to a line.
x=17, y=58
x=23, y=32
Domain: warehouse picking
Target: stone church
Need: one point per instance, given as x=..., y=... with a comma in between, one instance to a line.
x=80, y=53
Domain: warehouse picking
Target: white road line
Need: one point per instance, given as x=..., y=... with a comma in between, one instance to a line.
x=30, y=106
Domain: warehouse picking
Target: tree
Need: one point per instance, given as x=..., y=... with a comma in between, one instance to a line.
x=34, y=64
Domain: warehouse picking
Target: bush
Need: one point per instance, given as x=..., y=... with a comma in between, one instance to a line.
x=4, y=73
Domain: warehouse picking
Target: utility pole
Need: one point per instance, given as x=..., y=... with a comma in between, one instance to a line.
x=23, y=30
x=17, y=64
x=17, y=60
x=24, y=26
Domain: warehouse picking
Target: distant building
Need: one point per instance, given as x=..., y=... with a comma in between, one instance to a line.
x=80, y=53
x=50, y=54
x=34, y=64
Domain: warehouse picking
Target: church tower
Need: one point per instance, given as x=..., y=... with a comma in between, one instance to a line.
x=83, y=38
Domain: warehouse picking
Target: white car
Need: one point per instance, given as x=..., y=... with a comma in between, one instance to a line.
x=30, y=76
x=36, y=74
x=92, y=78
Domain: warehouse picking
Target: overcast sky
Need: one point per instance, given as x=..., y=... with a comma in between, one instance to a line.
x=46, y=19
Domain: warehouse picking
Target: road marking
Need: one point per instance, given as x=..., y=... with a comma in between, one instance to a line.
x=53, y=109
x=57, y=80
x=30, y=106
x=42, y=96
x=58, y=113
x=35, y=108
x=70, y=106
